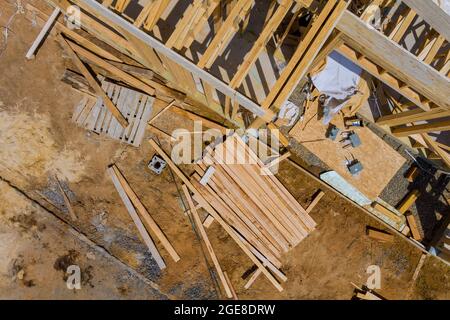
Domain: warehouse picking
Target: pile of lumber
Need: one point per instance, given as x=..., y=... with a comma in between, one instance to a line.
x=251, y=200
x=249, y=203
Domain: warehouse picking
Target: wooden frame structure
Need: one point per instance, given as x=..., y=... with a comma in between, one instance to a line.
x=200, y=86
x=418, y=76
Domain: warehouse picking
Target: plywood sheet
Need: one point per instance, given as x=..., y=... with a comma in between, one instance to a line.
x=379, y=160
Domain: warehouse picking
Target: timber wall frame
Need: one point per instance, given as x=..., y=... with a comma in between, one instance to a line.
x=129, y=39
x=416, y=77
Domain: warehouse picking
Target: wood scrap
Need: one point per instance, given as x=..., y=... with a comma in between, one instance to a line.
x=220, y=273
x=414, y=226
x=208, y=221
x=67, y=203
x=94, y=84
x=149, y=221
x=379, y=235
x=233, y=292
x=137, y=221
x=408, y=201
x=315, y=201
x=412, y=173
x=44, y=31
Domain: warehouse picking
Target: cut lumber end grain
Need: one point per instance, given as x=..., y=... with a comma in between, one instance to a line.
x=379, y=235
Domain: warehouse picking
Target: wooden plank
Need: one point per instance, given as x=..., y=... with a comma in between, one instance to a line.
x=312, y=52
x=208, y=244
x=159, y=114
x=278, y=160
x=194, y=117
x=412, y=116
x=386, y=212
x=233, y=292
x=137, y=221
x=422, y=128
x=380, y=235
x=404, y=25
x=252, y=279
x=43, y=33
x=435, y=16
x=252, y=56
x=385, y=77
x=146, y=215
x=239, y=222
x=217, y=217
x=248, y=210
x=223, y=35
x=316, y=200
x=419, y=266
x=413, y=225
x=395, y=60
x=94, y=84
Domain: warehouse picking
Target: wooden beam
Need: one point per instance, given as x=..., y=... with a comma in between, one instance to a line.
x=208, y=244
x=146, y=215
x=44, y=31
x=408, y=201
x=435, y=16
x=224, y=34
x=379, y=235
x=304, y=56
x=422, y=128
x=252, y=56
x=413, y=225
x=115, y=20
x=137, y=221
x=216, y=216
x=412, y=116
x=233, y=292
x=316, y=200
x=94, y=84
x=394, y=59
x=385, y=77
x=386, y=212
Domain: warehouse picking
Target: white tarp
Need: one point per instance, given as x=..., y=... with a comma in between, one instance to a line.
x=338, y=81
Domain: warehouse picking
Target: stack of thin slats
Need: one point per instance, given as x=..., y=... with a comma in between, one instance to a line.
x=252, y=200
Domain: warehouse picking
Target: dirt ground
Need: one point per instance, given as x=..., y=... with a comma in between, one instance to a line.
x=38, y=141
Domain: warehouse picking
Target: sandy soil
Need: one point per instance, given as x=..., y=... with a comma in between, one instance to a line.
x=38, y=141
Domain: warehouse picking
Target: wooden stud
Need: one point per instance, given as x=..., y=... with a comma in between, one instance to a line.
x=208, y=245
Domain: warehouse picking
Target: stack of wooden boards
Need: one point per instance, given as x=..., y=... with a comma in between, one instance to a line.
x=135, y=106
x=251, y=200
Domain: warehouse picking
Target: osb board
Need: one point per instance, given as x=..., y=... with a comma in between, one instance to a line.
x=379, y=160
